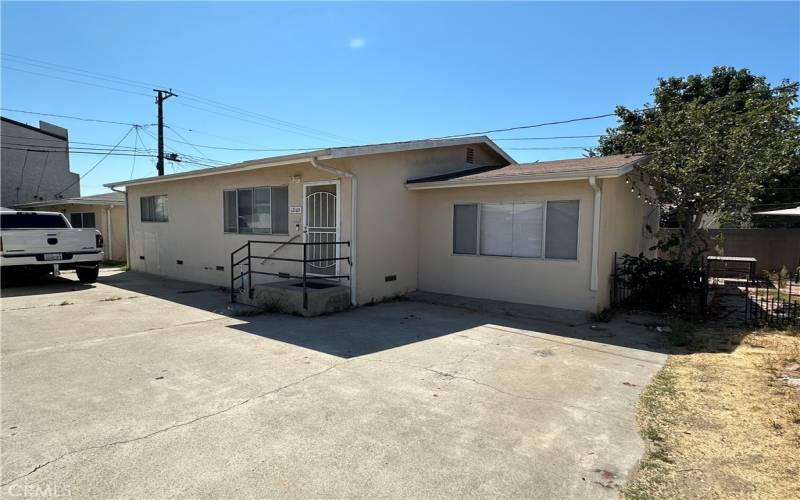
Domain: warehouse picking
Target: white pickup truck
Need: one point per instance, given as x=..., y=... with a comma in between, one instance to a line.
x=37, y=243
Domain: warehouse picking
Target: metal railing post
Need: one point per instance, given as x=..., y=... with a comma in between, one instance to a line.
x=305, y=289
x=249, y=276
x=233, y=295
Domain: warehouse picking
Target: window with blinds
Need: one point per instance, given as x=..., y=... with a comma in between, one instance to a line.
x=256, y=210
x=535, y=229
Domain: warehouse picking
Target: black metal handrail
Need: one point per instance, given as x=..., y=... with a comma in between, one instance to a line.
x=305, y=261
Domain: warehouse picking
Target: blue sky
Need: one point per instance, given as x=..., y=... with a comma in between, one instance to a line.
x=365, y=73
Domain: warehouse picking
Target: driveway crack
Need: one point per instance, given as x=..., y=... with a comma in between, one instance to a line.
x=174, y=426
x=497, y=389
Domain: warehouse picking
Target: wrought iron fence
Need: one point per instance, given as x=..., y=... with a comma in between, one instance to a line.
x=658, y=285
x=773, y=300
x=701, y=293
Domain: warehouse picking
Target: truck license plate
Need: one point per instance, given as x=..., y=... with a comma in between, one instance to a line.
x=53, y=256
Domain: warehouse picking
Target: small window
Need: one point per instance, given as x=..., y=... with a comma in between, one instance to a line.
x=154, y=208
x=470, y=155
x=465, y=229
x=260, y=210
x=82, y=219
x=562, y=230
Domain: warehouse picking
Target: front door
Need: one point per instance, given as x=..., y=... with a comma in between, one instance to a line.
x=321, y=227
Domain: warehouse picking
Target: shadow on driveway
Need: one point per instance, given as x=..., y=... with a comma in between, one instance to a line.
x=19, y=286
x=367, y=330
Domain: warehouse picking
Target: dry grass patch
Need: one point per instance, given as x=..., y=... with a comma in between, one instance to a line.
x=721, y=424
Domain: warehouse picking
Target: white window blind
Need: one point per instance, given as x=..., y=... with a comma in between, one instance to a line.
x=517, y=229
x=562, y=230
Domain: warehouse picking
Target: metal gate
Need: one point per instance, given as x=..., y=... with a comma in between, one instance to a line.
x=321, y=228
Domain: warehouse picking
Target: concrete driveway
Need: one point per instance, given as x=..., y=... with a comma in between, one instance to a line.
x=141, y=387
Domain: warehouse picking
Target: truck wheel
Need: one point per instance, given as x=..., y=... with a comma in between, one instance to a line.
x=87, y=274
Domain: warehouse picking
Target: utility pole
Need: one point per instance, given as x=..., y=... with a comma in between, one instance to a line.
x=162, y=96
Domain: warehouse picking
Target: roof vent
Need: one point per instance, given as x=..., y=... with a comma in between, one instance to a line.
x=470, y=155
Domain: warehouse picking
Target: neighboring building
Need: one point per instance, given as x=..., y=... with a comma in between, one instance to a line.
x=105, y=212
x=454, y=216
x=34, y=163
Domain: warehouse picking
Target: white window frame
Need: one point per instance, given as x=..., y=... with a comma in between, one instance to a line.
x=236, y=190
x=543, y=201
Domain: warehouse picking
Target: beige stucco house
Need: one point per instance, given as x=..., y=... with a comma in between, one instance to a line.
x=454, y=216
x=105, y=212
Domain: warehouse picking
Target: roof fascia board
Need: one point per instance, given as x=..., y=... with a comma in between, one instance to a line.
x=322, y=154
x=351, y=151
x=524, y=179
x=48, y=203
x=237, y=167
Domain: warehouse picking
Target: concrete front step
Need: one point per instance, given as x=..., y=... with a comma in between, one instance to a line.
x=324, y=297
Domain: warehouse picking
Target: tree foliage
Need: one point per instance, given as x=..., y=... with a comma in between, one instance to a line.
x=714, y=143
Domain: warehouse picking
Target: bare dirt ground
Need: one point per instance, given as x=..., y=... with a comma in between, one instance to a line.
x=721, y=423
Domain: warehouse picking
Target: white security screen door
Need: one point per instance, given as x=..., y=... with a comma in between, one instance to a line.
x=321, y=221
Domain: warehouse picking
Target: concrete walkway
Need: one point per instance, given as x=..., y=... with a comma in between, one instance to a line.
x=145, y=388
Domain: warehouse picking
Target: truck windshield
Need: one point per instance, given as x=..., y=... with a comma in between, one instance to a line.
x=22, y=220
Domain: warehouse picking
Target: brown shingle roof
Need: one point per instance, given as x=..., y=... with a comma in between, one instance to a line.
x=522, y=170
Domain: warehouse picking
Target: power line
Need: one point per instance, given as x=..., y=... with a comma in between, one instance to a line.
x=67, y=116
x=96, y=164
x=546, y=138
x=105, y=153
x=24, y=60
x=189, y=158
x=74, y=81
x=219, y=162
x=69, y=142
x=192, y=145
x=136, y=83
x=521, y=127
x=135, y=143
x=554, y=148
x=242, y=149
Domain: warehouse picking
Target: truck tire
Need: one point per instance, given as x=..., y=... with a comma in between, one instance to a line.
x=87, y=274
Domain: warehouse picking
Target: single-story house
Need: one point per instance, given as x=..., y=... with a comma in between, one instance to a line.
x=105, y=212
x=455, y=216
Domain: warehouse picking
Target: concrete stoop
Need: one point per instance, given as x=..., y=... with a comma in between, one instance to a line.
x=324, y=297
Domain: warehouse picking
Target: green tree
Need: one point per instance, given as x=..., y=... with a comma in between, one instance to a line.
x=715, y=142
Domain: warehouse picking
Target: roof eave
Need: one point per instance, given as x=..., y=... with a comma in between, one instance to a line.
x=321, y=154
x=235, y=167
x=530, y=178
x=66, y=201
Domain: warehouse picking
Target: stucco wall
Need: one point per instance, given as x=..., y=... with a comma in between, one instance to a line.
x=387, y=219
x=41, y=175
x=623, y=217
x=194, y=233
x=548, y=282
x=388, y=215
